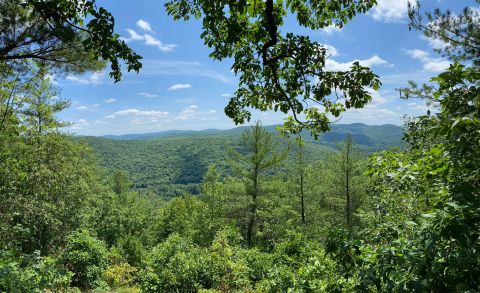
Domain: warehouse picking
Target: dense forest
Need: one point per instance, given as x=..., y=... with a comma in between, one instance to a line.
x=269, y=211
x=174, y=162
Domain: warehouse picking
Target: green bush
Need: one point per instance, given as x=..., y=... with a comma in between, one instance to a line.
x=132, y=249
x=176, y=265
x=86, y=258
x=230, y=271
x=119, y=275
x=31, y=273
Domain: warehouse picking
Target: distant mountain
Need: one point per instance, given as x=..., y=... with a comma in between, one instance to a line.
x=162, y=134
x=174, y=162
x=370, y=137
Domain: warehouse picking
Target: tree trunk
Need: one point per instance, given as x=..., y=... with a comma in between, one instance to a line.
x=253, y=208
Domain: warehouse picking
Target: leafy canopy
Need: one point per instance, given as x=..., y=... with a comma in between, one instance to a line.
x=56, y=33
x=281, y=71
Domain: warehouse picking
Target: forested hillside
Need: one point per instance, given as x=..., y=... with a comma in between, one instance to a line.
x=369, y=137
x=174, y=162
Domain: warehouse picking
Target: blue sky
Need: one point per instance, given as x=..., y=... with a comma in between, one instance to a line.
x=179, y=87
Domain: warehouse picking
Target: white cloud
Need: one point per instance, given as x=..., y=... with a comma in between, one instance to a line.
x=331, y=29
x=95, y=78
x=435, y=65
x=226, y=95
x=138, y=113
x=134, y=36
x=417, y=54
x=332, y=65
x=372, y=114
x=138, y=118
x=150, y=40
x=191, y=112
x=434, y=43
x=110, y=101
x=380, y=97
x=331, y=50
x=148, y=95
x=81, y=123
x=144, y=25
x=179, y=86
x=390, y=10
x=82, y=108
x=96, y=105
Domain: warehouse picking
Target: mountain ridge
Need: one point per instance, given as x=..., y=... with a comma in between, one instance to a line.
x=174, y=162
x=353, y=128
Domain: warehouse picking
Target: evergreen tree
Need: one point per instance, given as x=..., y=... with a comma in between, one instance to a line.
x=258, y=159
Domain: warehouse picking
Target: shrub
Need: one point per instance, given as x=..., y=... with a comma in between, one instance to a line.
x=31, y=273
x=120, y=275
x=85, y=257
x=176, y=265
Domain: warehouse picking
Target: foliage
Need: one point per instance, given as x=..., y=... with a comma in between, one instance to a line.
x=458, y=32
x=260, y=221
x=175, y=265
x=85, y=257
x=31, y=273
x=281, y=71
x=46, y=183
x=119, y=275
x=62, y=34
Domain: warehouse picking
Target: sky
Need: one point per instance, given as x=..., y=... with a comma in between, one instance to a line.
x=180, y=87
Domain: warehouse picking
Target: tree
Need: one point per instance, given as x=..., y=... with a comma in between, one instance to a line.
x=345, y=185
x=56, y=34
x=299, y=173
x=281, y=71
x=121, y=182
x=85, y=257
x=430, y=194
x=47, y=180
x=260, y=157
x=458, y=33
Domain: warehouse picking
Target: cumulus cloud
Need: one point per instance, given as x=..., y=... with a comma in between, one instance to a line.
x=429, y=64
x=137, y=117
x=434, y=43
x=380, y=97
x=82, y=108
x=110, y=101
x=80, y=124
x=150, y=40
x=179, y=86
x=417, y=54
x=136, y=112
x=144, y=25
x=331, y=29
x=191, y=112
x=372, y=114
x=390, y=10
x=332, y=65
x=95, y=78
x=147, y=38
x=331, y=50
